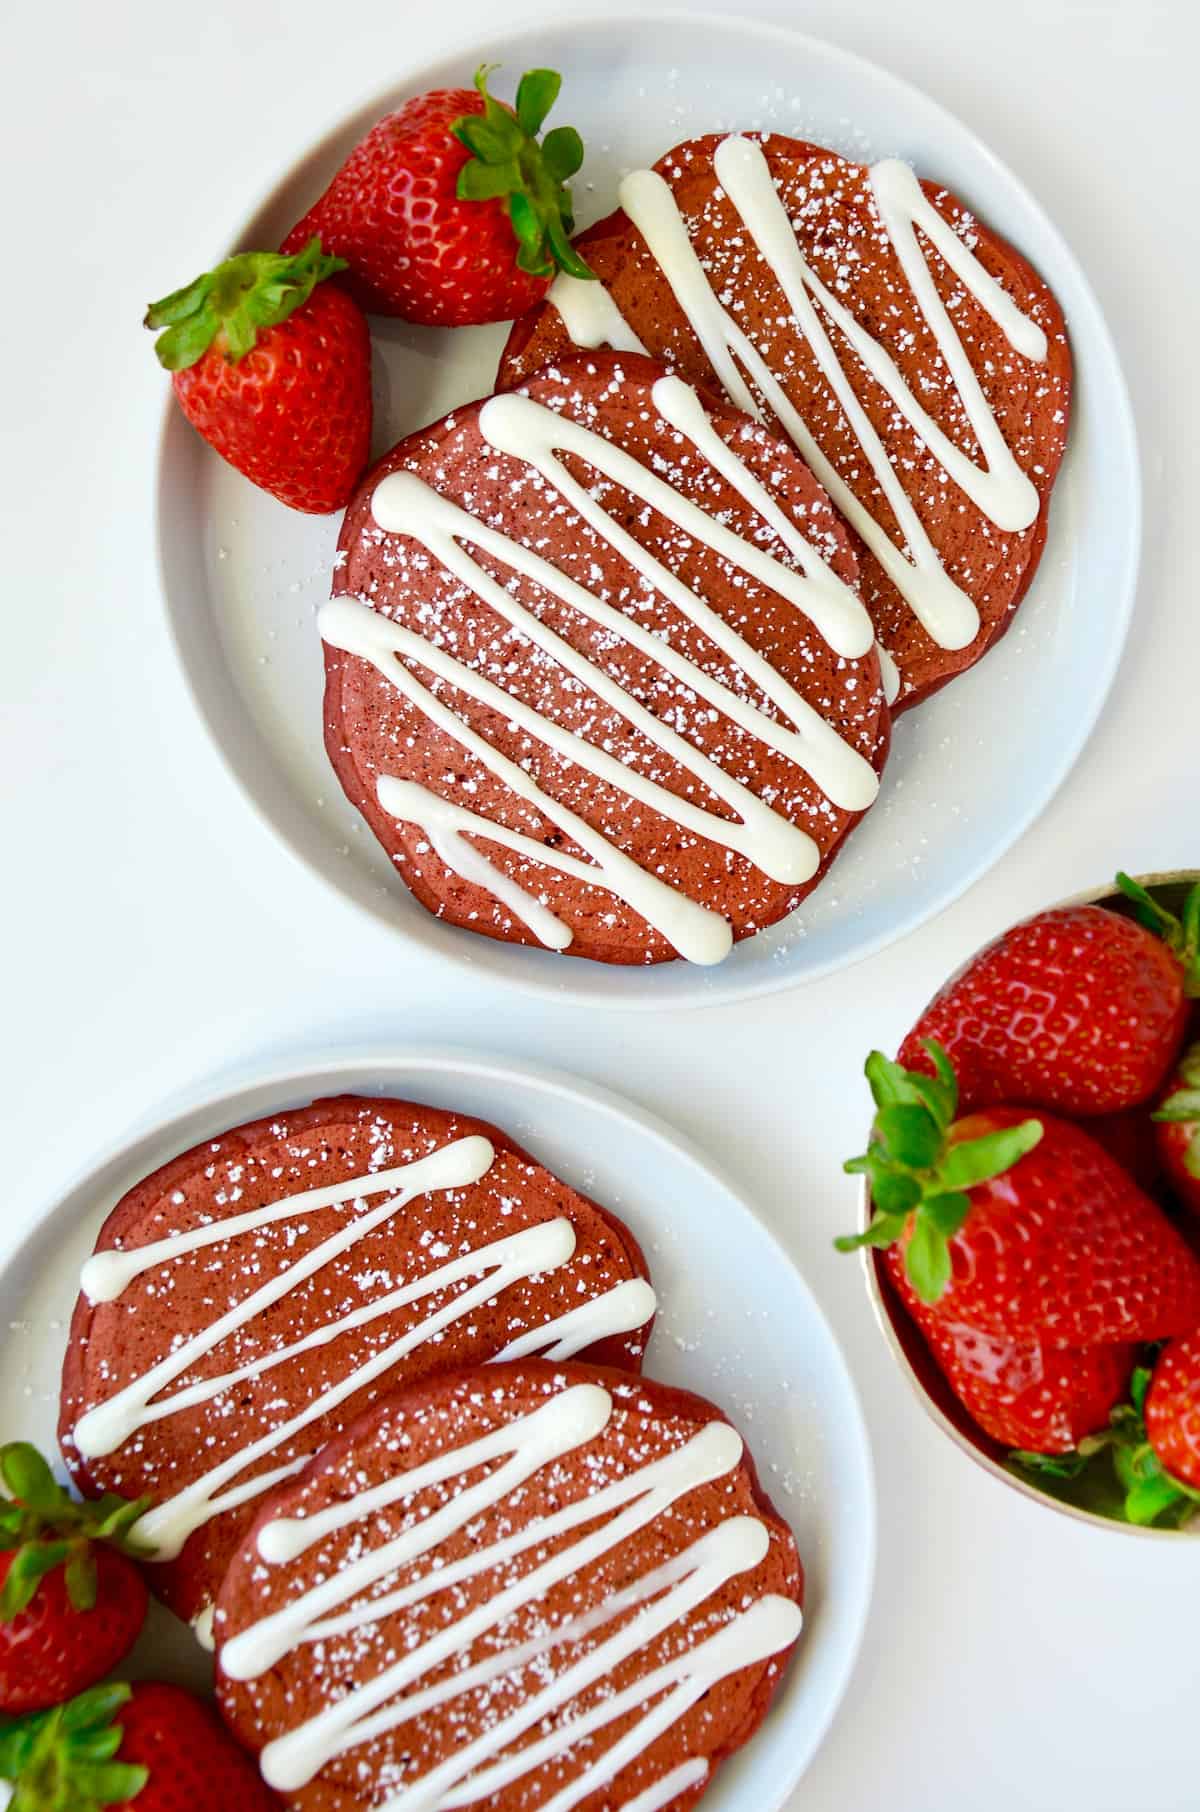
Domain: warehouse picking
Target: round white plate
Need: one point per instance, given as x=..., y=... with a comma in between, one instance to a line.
x=971, y=769
x=736, y=1323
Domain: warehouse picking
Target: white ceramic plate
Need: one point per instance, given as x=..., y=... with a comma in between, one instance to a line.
x=736, y=1323
x=971, y=769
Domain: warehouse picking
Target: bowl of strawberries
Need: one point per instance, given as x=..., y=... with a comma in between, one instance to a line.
x=1031, y=1205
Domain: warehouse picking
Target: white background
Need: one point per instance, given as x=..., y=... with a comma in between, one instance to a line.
x=154, y=935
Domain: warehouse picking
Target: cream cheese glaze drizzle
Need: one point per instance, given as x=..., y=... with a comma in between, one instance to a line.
x=404, y=504
x=590, y=315
x=516, y=1452
x=998, y=487
x=688, y=1774
x=497, y=1265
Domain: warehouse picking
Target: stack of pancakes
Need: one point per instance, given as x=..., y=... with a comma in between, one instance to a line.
x=877, y=395
x=378, y=1372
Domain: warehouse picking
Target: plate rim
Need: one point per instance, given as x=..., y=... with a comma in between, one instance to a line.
x=706, y=988
x=289, y=1077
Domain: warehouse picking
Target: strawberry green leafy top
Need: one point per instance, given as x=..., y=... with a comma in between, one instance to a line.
x=918, y=1172
x=1181, y=935
x=43, y=1527
x=237, y=301
x=64, y=1760
x=507, y=160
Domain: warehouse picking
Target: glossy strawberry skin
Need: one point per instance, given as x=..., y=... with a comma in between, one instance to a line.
x=1173, y=1410
x=294, y=414
x=1077, y=1009
x=1065, y=1248
x=50, y=1651
x=194, y=1764
x=413, y=248
x=1022, y=1393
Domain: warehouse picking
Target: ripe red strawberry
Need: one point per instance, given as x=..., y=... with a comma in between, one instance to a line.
x=1023, y=1393
x=450, y=212
x=1177, y=1129
x=71, y=1602
x=1077, y=1009
x=1173, y=1410
x=272, y=365
x=1021, y=1228
x=152, y=1747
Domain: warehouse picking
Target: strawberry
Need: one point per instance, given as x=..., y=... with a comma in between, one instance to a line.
x=1173, y=1410
x=450, y=212
x=1077, y=1009
x=272, y=365
x=71, y=1601
x=153, y=1747
x=1177, y=1129
x=1023, y=1393
x=1021, y=1228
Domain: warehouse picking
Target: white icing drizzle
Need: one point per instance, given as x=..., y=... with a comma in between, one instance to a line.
x=889, y=674
x=661, y=1597
x=405, y=504
x=529, y=431
x=696, y=933
x=903, y=205
x=103, y=1429
x=661, y=1793
x=590, y=315
x=621, y=1310
x=202, y=1628
x=445, y=823
x=105, y=1275
x=497, y=1265
x=999, y=488
x=780, y=848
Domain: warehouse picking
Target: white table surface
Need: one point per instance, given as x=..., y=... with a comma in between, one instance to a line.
x=155, y=935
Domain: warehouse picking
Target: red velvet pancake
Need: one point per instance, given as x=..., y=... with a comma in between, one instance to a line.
x=529, y=1586
x=436, y=1242
x=611, y=652
x=831, y=214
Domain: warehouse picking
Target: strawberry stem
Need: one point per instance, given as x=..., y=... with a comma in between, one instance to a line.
x=919, y=1173
x=234, y=303
x=43, y=1527
x=65, y=1757
x=508, y=161
x=1182, y=934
